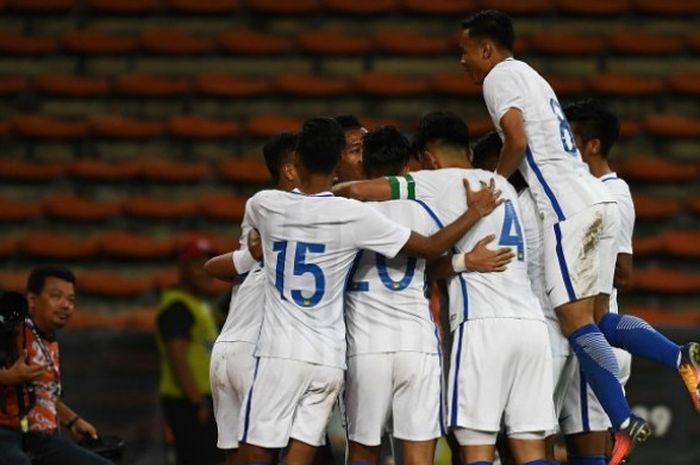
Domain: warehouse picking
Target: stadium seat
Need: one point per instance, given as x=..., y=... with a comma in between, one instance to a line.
x=375, y=123
x=93, y=42
x=57, y=246
x=267, y=125
x=619, y=84
x=47, y=127
x=163, y=279
x=644, y=43
x=71, y=207
x=566, y=43
x=594, y=7
x=13, y=85
x=5, y=127
x=518, y=6
x=479, y=127
x=123, y=244
x=13, y=43
x=244, y=170
x=659, y=317
x=254, y=42
x=229, y=85
x=684, y=83
x=8, y=246
x=329, y=42
x=220, y=244
x=23, y=170
x=41, y=6
x=15, y=210
x=123, y=127
x=220, y=206
x=666, y=281
x=202, y=127
x=411, y=43
x=656, y=169
x=14, y=280
x=362, y=7
x=683, y=243
x=693, y=205
x=174, y=42
x=390, y=85
x=311, y=85
x=97, y=170
x=281, y=8
x=651, y=208
x=457, y=84
x=154, y=208
x=567, y=86
x=149, y=85
x=110, y=284
x=125, y=6
x=205, y=6
x=439, y=7
x=72, y=86
x=174, y=171
x=693, y=41
x=672, y=125
x=668, y=7
x=630, y=127
x=648, y=245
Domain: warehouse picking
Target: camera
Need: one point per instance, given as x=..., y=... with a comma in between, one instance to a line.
x=13, y=310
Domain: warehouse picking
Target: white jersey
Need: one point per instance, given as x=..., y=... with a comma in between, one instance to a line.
x=621, y=193
x=386, y=307
x=477, y=295
x=552, y=166
x=245, y=313
x=309, y=243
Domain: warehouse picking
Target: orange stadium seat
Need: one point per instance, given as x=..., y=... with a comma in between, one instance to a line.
x=244, y=170
x=124, y=127
x=626, y=84
x=155, y=208
x=630, y=127
x=566, y=43
x=411, y=43
x=328, y=42
x=174, y=42
x=311, y=85
x=13, y=85
x=594, y=7
x=23, y=170
x=202, y=127
x=93, y=42
x=684, y=83
x=362, y=7
x=14, y=43
x=668, y=7
x=123, y=244
x=682, y=243
x=267, y=125
x=567, y=85
x=110, y=284
x=98, y=170
x=390, y=85
x=375, y=123
x=672, y=125
x=5, y=127
x=454, y=83
x=71, y=207
x=229, y=85
x=693, y=40
x=14, y=280
x=57, y=246
x=15, y=210
x=254, y=42
x=518, y=6
x=651, y=208
x=659, y=317
x=46, y=127
x=440, y=7
x=163, y=279
x=125, y=6
x=175, y=171
x=667, y=281
x=72, y=86
x=220, y=206
x=650, y=168
x=645, y=43
x=8, y=246
x=479, y=127
x=221, y=244
x=150, y=85
x=286, y=7
x=693, y=205
x=648, y=245
x=41, y=6
x=205, y=6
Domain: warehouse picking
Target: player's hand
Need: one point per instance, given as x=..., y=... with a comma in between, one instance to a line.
x=485, y=260
x=486, y=199
x=255, y=244
x=82, y=429
x=23, y=372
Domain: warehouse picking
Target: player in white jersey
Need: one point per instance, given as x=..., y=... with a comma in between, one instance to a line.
x=501, y=363
x=310, y=238
x=579, y=217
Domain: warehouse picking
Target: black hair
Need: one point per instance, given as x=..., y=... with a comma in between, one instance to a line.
x=486, y=152
x=441, y=126
x=385, y=152
x=319, y=145
x=491, y=24
x=278, y=150
x=594, y=121
x=348, y=122
x=38, y=276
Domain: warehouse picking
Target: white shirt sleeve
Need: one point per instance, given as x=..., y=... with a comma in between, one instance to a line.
x=502, y=91
x=624, y=234
x=242, y=258
x=376, y=233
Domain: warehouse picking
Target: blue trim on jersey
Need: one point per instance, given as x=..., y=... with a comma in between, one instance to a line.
x=547, y=190
x=320, y=194
x=584, y=402
x=455, y=381
x=562, y=265
x=246, y=423
x=611, y=178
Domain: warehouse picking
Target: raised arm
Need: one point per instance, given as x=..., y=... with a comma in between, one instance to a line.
x=514, y=143
x=479, y=259
x=373, y=190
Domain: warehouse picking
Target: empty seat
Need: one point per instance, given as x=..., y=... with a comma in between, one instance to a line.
x=14, y=280
x=166, y=278
x=151, y=207
x=98, y=170
x=8, y=246
x=693, y=40
x=411, y=43
x=459, y=84
x=594, y=7
x=14, y=43
x=684, y=83
x=12, y=85
x=93, y=42
x=566, y=43
x=267, y=125
x=666, y=281
x=202, y=127
x=125, y=6
x=220, y=244
x=72, y=86
x=362, y=7
x=46, y=127
x=23, y=170
x=668, y=7
x=123, y=244
x=660, y=317
x=150, y=85
x=286, y=7
x=174, y=42
x=15, y=210
x=245, y=170
x=645, y=43
x=205, y=6
x=630, y=127
x=123, y=127
x=682, y=243
x=311, y=85
x=649, y=168
x=5, y=127
x=567, y=86
x=518, y=6
x=672, y=125
x=650, y=208
x=229, y=85
x=390, y=85
x=478, y=127
x=254, y=42
x=650, y=245
x=625, y=84
x=57, y=246
x=221, y=206
x=175, y=171
x=110, y=284
x=329, y=42
x=440, y=7
x=71, y=207
x=693, y=205
x=41, y=6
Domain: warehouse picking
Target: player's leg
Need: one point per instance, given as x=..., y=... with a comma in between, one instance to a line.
x=476, y=447
x=528, y=448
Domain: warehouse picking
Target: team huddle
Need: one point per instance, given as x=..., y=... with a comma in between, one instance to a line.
x=530, y=232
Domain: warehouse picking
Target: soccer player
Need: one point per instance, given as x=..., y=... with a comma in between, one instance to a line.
x=579, y=217
x=310, y=239
x=350, y=166
x=232, y=359
x=501, y=362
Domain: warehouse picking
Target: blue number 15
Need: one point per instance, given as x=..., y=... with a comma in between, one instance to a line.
x=300, y=268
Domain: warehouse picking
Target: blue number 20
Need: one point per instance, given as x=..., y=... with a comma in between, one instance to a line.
x=511, y=234
x=389, y=283
x=300, y=268
x=567, y=138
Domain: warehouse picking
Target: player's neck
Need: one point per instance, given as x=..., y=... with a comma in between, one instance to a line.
x=599, y=166
x=314, y=183
x=456, y=162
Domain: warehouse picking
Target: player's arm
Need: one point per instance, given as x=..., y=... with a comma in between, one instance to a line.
x=623, y=271
x=229, y=266
x=480, y=259
x=372, y=190
x=514, y=142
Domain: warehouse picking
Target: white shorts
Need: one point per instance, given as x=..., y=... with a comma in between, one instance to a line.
x=580, y=254
x=289, y=399
x=404, y=385
x=501, y=376
x=581, y=411
x=231, y=374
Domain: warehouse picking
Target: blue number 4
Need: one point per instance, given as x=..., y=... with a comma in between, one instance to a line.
x=512, y=234
x=300, y=268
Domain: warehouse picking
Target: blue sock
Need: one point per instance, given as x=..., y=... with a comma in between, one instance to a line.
x=537, y=462
x=587, y=460
x=598, y=362
x=637, y=337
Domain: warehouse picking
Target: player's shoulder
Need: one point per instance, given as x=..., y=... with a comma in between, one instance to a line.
x=616, y=184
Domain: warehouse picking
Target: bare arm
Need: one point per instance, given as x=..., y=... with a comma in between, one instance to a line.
x=480, y=259
x=223, y=266
x=373, y=190
x=79, y=427
x=623, y=271
x=514, y=143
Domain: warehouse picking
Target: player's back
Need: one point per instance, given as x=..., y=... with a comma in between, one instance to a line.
x=245, y=312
